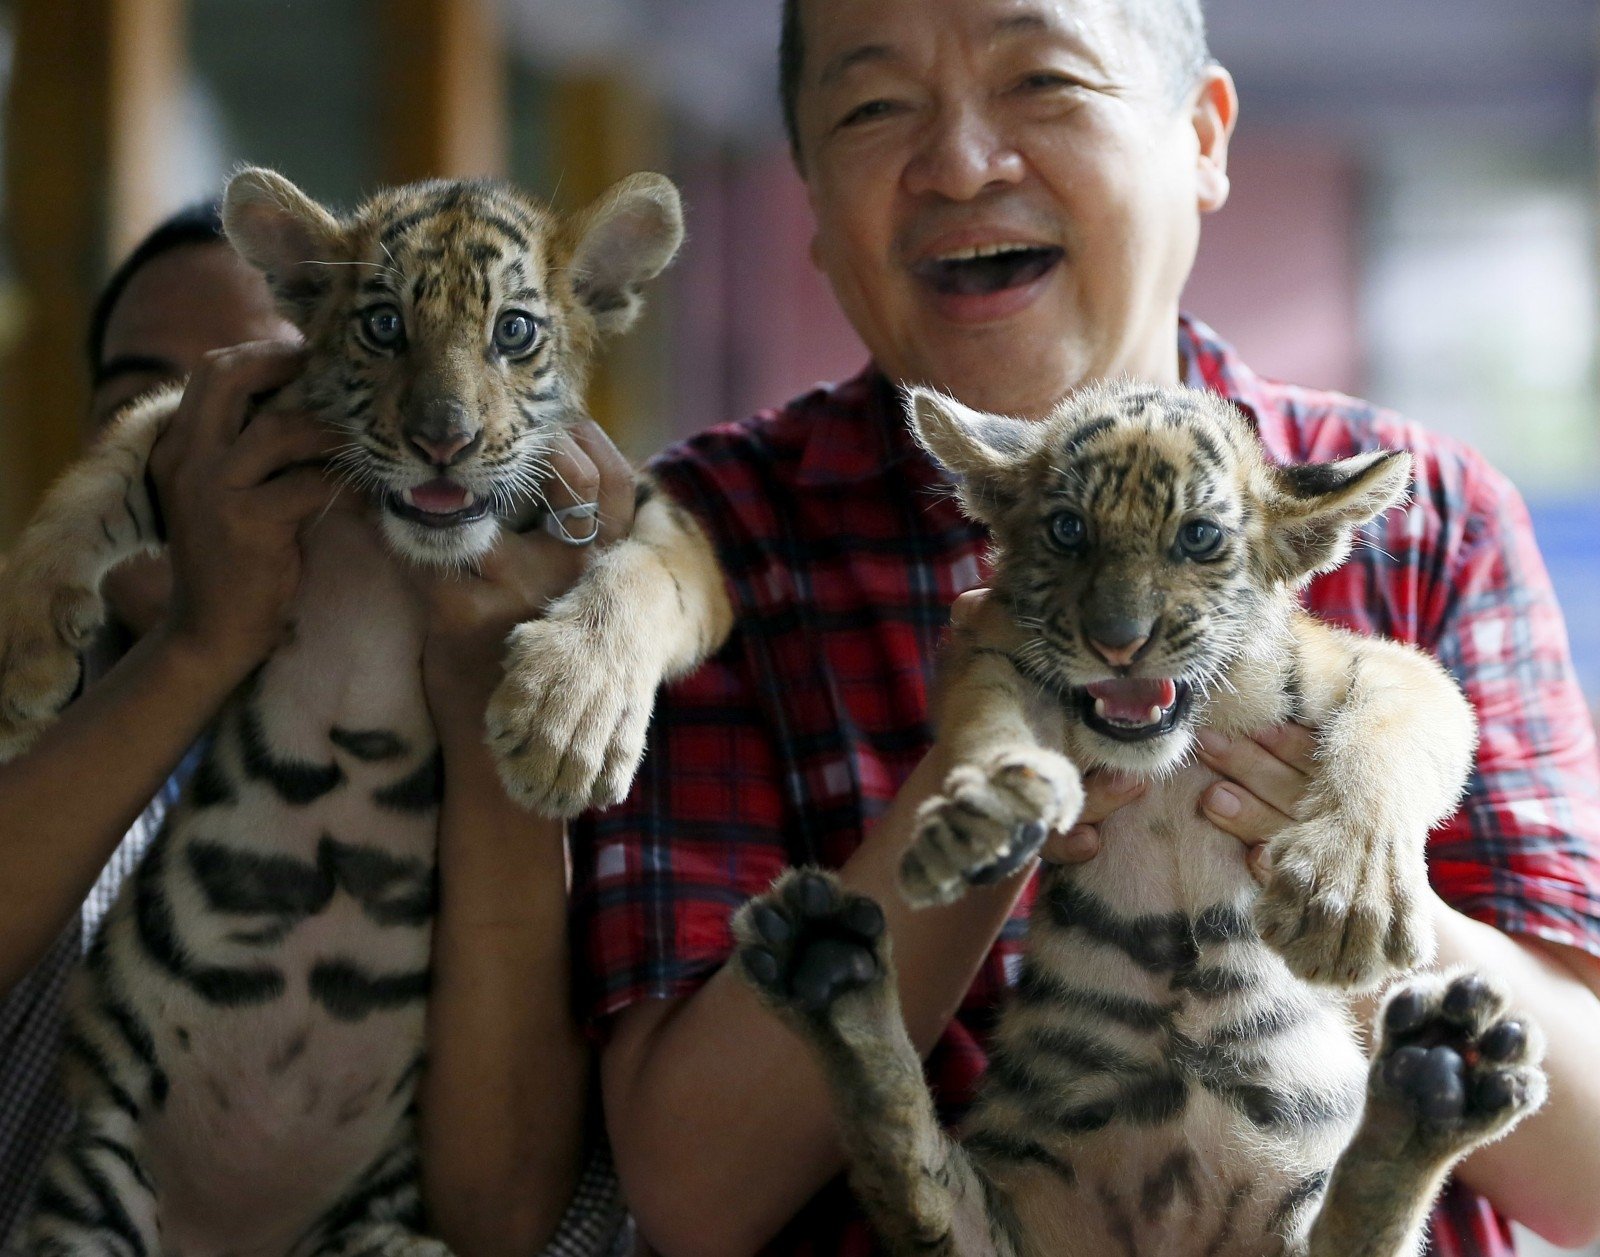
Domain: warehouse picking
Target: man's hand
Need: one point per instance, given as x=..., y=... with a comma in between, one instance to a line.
x=469, y=614
x=235, y=487
x=1264, y=787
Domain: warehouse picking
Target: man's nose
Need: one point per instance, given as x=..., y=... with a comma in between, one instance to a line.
x=962, y=153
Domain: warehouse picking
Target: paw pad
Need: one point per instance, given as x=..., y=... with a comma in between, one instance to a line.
x=808, y=942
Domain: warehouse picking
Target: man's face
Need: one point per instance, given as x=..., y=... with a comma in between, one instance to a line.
x=1007, y=194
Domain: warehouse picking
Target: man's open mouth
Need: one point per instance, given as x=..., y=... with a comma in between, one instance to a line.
x=986, y=269
x=1132, y=709
x=440, y=503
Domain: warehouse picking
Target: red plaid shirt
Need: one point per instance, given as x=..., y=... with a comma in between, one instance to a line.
x=843, y=557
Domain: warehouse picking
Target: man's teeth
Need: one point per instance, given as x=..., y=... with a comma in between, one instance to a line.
x=983, y=251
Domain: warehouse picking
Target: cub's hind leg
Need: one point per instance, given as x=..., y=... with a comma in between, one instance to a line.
x=98, y=514
x=1454, y=1070
x=818, y=955
x=381, y=1215
x=95, y=1198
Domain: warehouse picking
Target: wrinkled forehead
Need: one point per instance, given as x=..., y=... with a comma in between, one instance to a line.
x=840, y=33
x=1148, y=459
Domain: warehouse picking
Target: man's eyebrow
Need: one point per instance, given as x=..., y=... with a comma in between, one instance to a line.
x=1025, y=24
x=850, y=58
x=135, y=364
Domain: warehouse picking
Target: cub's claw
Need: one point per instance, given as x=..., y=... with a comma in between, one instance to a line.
x=568, y=722
x=988, y=823
x=808, y=942
x=42, y=634
x=1343, y=908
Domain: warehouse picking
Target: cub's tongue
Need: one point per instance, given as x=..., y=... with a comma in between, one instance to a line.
x=1130, y=701
x=439, y=497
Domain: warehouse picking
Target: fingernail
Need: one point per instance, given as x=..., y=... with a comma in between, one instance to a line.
x=1122, y=783
x=1212, y=742
x=1223, y=801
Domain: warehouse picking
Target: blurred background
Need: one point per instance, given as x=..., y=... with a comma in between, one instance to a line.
x=1414, y=216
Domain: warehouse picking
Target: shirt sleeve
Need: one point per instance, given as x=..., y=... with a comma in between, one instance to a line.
x=656, y=879
x=1523, y=852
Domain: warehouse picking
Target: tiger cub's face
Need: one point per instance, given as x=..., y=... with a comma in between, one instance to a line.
x=449, y=329
x=1145, y=545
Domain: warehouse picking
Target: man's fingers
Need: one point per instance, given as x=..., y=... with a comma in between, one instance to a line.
x=614, y=486
x=275, y=440
x=1294, y=744
x=294, y=496
x=217, y=397
x=1104, y=793
x=1236, y=811
x=1078, y=844
x=1276, y=783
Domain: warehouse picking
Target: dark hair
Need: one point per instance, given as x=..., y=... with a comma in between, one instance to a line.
x=199, y=223
x=1175, y=29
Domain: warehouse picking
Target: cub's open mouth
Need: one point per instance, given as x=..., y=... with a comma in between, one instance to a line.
x=1133, y=709
x=978, y=272
x=440, y=503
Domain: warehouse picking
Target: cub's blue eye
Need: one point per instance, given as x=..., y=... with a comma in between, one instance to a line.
x=1199, y=539
x=1067, y=530
x=383, y=325
x=515, y=332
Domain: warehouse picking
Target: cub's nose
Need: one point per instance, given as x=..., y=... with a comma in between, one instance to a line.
x=442, y=432
x=1117, y=639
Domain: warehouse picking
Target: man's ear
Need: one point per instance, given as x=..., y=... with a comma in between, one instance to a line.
x=1313, y=509
x=1215, y=110
x=985, y=452
x=284, y=234
x=624, y=240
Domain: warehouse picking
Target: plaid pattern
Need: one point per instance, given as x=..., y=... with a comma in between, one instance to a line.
x=843, y=556
x=33, y=1111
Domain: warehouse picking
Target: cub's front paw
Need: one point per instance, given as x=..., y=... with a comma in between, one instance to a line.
x=1345, y=908
x=807, y=943
x=988, y=822
x=568, y=722
x=44, y=627
x=1455, y=1067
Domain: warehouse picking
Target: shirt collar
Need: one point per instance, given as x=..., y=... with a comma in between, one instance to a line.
x=858, y=429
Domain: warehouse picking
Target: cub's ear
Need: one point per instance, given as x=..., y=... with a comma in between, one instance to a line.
x=1313, y=509
x=985, y=451
x=625, y=239
x=284, y=234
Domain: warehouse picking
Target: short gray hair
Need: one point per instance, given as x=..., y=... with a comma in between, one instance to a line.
x=1175, y=29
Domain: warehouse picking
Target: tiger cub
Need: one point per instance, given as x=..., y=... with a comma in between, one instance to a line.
x=1177, y=1073
x=246, y=1037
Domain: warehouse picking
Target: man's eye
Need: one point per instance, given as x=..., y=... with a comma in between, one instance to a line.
x=873, y=109
x=1046, y=80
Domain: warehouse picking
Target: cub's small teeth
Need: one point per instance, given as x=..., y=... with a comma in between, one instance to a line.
x=1100, y=708
x=1155, y=715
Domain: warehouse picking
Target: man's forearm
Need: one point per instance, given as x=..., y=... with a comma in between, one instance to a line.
x=506, y=1086
x=1543, y=1174
x=65, y=805
x=713, y=1090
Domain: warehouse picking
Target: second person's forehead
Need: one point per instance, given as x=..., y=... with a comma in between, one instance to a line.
x=840, y=34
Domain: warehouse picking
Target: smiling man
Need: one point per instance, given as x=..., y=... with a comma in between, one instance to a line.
x=1008, y=196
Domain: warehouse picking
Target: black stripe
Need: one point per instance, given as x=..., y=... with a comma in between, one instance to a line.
x=1082, y=435
x=1298, y=1196
x=1081, y=1050
x=295, y=781
x=392, y=890
x=1210, y=982
x=361, y=1202
x=998, y=1147
x=210, y=786
x=1039, y=986
x=74, y=1044
x=350, y=994
x=158, y=518
x=1156, y=942
x=1161, y=1188
x=129, y=1161
x=369, y=745
x=1272, y=1109
x=418, y=792
x=1263, y=1024
x=157, y=934
x=250, y=883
